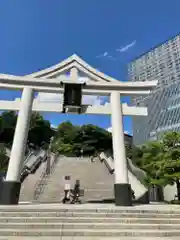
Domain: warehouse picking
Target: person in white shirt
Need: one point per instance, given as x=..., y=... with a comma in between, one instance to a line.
x=67, y=189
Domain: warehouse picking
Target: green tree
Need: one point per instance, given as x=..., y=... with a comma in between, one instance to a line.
x=40, y=131
x=161, y=160
x=66, y=131
x=170, y=167
x=7, y=123
x=64, y=138
x=70, y=139
x=148, y=159
x=91, y=139
x=3, y=158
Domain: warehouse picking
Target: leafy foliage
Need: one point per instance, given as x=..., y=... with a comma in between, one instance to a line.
x=68, y=139
x=161, y=160
x=151, y=155
x=7, y=126
x=40, y=130
x=85, y=140
x=40, y=133
x=3, y=158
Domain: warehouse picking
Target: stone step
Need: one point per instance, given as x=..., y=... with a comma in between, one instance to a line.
x=94, y=220
x=89, y=233
x=87, y=238
x=86, y=226
x=79, y=169
x=89, y=215
x=90, y=208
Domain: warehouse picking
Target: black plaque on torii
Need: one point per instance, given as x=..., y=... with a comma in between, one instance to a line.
x=72, y=97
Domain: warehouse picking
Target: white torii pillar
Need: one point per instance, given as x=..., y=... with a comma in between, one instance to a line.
x=12, y=185
x=122, y=188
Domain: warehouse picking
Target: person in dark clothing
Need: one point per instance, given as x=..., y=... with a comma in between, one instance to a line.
x=133, y=194
x=76, y=193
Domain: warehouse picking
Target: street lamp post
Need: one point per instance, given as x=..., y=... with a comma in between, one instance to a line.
x=82, y=151
x=48, y=165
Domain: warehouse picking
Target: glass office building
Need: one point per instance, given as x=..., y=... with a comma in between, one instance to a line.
x=161, y=63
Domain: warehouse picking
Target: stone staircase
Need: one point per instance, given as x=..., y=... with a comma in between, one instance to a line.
x=30, y=184
x=88, y=222
x=97, y=183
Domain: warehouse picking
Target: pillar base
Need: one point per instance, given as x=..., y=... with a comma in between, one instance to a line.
x=10, y=193
x=123, y=194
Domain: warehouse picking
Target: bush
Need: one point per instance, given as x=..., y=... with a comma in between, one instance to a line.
x=177, y=202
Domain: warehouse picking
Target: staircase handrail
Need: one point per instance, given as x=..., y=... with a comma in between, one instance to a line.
x=108, y=161
x=139, y=173
x=28, y=156
x=40, y=185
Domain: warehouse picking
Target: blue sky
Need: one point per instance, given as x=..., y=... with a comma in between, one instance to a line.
x=36, y=34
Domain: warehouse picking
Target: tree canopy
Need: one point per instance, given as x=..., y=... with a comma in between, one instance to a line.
x=75, y=140
x=68, y=139
x=7, y=126
x=161, y=160
x=40, y=131
x=3, y=158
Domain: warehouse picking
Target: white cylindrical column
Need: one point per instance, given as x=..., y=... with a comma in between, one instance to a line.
x=20, y=136
x=122, y=188
x=119, y=153
x=12, y=184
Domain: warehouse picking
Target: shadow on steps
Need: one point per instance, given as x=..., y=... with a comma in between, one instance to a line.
x=101, y=201
x=143, y=200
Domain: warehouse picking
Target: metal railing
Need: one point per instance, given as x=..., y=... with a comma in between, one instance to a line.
x=107, y=161
x=40, y=185
x=136, y=171
x=32, y=167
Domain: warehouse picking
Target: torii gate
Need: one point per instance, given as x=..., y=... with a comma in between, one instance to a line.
x=50, y=80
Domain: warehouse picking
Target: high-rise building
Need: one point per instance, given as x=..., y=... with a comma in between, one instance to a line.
x=161, y=63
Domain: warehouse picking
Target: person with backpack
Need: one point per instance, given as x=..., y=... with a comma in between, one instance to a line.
x=76, y=193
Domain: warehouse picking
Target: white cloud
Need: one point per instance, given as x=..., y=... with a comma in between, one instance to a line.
x=126, y=48
x=126, y=132
x=49, y=97
x=54, y=126
x=91, y=100
x=58, y=98
x=102, y=55
x=106, y=55
x=109, y=129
